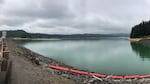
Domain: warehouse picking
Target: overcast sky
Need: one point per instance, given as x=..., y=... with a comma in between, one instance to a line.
x=73, y=16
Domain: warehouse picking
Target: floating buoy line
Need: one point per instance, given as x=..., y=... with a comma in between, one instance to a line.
x=98, y=74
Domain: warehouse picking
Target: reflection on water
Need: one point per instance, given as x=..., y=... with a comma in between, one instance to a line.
x=141, y=49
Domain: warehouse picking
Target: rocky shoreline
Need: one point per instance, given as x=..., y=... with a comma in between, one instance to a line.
x=44, y=62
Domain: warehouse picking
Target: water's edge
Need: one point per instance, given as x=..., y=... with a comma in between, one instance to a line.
x=79, y=79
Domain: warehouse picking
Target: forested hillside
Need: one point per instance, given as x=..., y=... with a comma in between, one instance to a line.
x=24, y=34
x=141, y=30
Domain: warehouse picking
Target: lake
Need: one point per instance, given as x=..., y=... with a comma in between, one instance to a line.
x=113, y=56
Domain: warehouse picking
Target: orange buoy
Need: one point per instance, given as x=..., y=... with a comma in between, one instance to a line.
x=59, y=68
x=117, y=77
x=79, y=72
x=132, y=77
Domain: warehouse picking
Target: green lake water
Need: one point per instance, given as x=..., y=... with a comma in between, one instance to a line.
x=116, y=56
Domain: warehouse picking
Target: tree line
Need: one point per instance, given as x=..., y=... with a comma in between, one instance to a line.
x=24, y=34
x=141, y=30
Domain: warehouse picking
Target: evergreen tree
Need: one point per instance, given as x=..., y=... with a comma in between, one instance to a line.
x=140, y=30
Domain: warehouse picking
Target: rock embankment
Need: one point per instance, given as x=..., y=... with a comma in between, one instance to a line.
x=31, y=68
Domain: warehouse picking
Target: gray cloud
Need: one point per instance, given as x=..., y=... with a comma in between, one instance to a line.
x=38, y=9
x=73, y=16
x=14, y=21
x=1, y=1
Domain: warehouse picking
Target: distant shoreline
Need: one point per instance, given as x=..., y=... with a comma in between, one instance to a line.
x=135, y=39
x=57, y=39
x=36, y=39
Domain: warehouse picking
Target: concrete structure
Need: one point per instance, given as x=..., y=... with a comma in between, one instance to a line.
x=4, y=34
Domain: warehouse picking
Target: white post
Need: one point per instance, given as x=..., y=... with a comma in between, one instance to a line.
x=4, y=33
